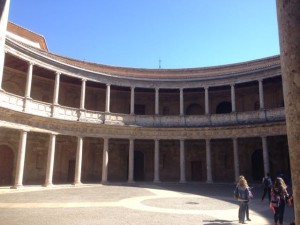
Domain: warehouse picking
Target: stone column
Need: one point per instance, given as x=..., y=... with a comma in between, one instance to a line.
x=29, y=80
x=288, y=13
x=107, y=106
x=206, y=101
x=261, y=94
x=181, y=102
x=56, y=89
x=4, y=5
x=78, y=165
x=132, y=101
x=131, y=161
x=265, y=155
x=156, y=101
x=233, y=108
x=182, y=162
x=105, y=160
x=50, y=161
x=82, y=97
x=208, y=162
x=236, y=159
x=20, y=160
x=156, y=161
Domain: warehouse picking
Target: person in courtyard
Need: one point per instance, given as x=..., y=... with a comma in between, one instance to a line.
x=267, y=184
x=250, y=197
x=279, y=196
x=242, y=193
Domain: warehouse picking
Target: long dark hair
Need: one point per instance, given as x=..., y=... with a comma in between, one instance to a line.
x=279, y=185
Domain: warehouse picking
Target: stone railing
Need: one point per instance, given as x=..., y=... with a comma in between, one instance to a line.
x=35, y=107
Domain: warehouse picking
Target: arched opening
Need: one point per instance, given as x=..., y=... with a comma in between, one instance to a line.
x=138, y=166
x=6, y=165
x=194, y=109
x=223, y=107
x=257, y=165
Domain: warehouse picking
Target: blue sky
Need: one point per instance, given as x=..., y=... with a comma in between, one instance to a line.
x=137, y=33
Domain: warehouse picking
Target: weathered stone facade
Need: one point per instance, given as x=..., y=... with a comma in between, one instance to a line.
x=68, y=121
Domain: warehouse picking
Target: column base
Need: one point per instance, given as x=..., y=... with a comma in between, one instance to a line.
x=156, y=181
x=19, y=186
x=48, y=185
x=77, y=184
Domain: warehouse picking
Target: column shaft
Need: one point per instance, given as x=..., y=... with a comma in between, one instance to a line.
x=82, y=97
x=56, y=89
x=236, y=159
x=206, y=101
x=208, y=162
x=132, y=101
x=156, y=161
x=29, y=80
x=105, y=160
x=131, y=161
x=182, y=162
x=233, y=105
x=288, y=13
x=21, y=160
x=265, y=155
x=261, y=95
x=78, y=165
x=156, y=101
x=4, y=5
x=50, y=160
x=107, y=106
x=181, y=102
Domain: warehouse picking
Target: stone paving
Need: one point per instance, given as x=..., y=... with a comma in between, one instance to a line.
x=123, y=204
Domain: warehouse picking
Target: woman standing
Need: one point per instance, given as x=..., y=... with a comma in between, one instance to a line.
x=279, y=195
x=243, y=198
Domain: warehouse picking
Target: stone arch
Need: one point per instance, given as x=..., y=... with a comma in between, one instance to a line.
x=6, y=165
x=257, y=165
x=194, y=109
x=223, y=107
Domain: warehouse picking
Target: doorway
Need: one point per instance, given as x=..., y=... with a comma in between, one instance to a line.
x=257, y=165
x=6, y=165
x=138, y=166
x=196, y=170
x=71, y=171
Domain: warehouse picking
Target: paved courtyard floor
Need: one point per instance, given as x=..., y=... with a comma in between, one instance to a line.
x=124, y=204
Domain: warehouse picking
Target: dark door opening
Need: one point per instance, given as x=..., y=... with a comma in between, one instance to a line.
x=138, y=166
x=257, y=165
x=71, y=171
x=6, y=165
x=196, y=170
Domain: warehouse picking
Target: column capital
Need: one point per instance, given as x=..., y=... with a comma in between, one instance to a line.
x=84, y=80
x=108, y=85
x=58, y=73
x=232, y=85
x=30, y=63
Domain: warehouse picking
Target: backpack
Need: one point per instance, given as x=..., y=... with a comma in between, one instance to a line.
x=275, y=199
x=236, y=193
x=267, y=182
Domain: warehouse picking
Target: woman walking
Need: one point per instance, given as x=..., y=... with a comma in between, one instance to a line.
x=279, y=196
x=243, y=198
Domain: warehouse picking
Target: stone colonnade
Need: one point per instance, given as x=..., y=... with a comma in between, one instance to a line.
x=77, y=178
x=82, y=106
